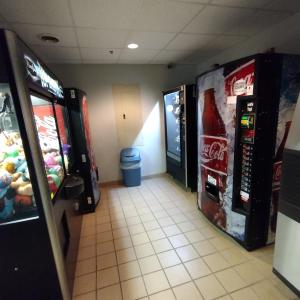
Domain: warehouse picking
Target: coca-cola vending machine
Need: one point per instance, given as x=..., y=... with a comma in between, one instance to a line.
x=245, y=109
x=181, y=134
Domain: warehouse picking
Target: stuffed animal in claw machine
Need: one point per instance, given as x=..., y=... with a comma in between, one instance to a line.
x=22, y=184
x=7, y=196
x=23, y=187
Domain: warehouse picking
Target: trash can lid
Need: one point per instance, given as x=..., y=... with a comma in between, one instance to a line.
x=130, y=155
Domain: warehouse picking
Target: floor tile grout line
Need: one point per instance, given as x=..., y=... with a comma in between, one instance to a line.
x=156, y=255
x=140, y=269
x=190, y=243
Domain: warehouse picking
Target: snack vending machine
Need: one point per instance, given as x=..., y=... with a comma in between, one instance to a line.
x=39, y=229
x=84, y=157
x=181, y=134
x=245, y=109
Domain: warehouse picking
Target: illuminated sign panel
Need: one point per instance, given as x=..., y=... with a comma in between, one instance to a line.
x=38, y=75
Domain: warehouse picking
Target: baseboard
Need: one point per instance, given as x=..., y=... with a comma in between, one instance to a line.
x=286, y=282
x=111, y=183
x=120, y=182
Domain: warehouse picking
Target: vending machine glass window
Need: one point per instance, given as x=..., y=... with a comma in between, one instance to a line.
x=49, y=142
x=64, y=135
x=172, y=109
x=16, y=196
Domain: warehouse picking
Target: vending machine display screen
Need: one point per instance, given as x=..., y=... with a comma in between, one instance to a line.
x=248, y=128
x=173, y=110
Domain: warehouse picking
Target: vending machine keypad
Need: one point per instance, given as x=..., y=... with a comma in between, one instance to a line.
x=247, y=158
x=247, y=128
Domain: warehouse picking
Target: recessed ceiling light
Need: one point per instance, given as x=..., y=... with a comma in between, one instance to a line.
x=133, y=46
x=47, y=38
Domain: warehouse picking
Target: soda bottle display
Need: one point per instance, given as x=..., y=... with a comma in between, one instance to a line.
x=277, y=176
x=213, y=158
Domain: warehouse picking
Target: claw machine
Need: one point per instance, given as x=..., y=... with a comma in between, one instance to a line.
x=36, y=231
x=84, y=157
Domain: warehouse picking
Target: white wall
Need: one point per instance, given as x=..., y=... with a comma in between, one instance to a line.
x=97, y=81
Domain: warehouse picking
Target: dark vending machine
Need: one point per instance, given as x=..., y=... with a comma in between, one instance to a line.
x=181, y=134
x=39, y=228
x=245, y=109
x=84, y=157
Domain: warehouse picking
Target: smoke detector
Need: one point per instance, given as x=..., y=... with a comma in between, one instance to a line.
x=48, y=38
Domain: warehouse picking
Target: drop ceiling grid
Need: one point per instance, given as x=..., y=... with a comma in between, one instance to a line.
x=156, y=40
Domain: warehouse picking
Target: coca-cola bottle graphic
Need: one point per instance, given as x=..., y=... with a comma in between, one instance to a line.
x=277, y=176
x=214, y=159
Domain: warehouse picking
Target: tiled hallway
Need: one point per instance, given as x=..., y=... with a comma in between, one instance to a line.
x=151, y=242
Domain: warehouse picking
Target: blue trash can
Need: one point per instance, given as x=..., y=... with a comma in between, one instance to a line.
x=130, y=164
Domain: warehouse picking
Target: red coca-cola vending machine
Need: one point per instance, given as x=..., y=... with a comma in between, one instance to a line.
x=245, y=109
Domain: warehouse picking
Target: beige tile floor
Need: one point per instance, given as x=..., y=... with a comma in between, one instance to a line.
x=151, y=242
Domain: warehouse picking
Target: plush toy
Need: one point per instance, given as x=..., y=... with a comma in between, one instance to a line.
x=66, y=149
x=22, y=185
x=58, y=160
x=57, y=170
x=54, y=182
x=25, y=190
x=52, y=185
x=11, y=164
x=8, y=209
x=11, y=152
x=5, y=179
x=7, y=202
x=23, y=200
x=49, y=159
x=22, y=167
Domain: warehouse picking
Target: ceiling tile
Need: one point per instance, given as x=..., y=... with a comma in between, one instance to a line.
x=185, y=41
x=101, y=38
x=198, y=56
x=57, y=54
x=95, y=62
x=137, y=54
x=54, y=12
x=216, y=20
x=223, y=42
x=97, y=54
x=259, y=22
x=284, y=5
x=194, y=1
x=167, y=56
x=241, y=3
x=30, y=34
x=150, y=40
x=165, y=16
x=134, y=62
x=106, y=14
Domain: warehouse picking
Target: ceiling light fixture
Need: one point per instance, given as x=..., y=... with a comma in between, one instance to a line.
x=133, y=46
x=47, y=38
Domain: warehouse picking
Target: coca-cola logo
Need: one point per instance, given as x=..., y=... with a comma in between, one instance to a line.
x=214, y=151
x=239, y=86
